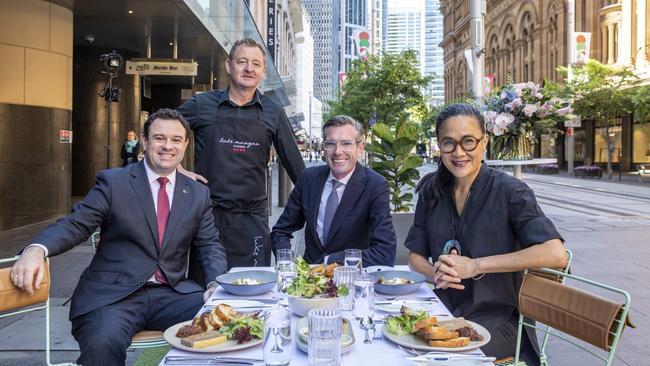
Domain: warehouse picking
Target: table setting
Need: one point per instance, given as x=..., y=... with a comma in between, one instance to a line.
x=322, y=315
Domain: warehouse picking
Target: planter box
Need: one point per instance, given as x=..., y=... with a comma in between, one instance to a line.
x=547, y=169
x=591, y=171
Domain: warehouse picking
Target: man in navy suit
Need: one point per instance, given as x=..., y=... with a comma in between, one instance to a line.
x=150, y=216
x=344, y=204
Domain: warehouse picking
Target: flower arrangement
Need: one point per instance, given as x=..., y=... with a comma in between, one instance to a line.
x=588, y=171
x=515, y=113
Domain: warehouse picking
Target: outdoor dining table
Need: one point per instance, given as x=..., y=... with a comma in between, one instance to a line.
x=379, y=352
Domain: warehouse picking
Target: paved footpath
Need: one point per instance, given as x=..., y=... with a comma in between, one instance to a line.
x=605, y=224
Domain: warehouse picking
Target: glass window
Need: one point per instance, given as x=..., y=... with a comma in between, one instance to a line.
x=641, y=143
x=600, y=145
x=547, y=146
x=579, y=146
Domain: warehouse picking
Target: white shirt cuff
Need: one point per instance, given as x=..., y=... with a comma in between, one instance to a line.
x=325, y=260
x=38, y=245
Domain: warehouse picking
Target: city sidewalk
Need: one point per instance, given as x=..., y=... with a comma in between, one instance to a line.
x=22, y=342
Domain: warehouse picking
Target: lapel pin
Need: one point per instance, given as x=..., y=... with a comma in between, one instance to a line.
x=184, y=190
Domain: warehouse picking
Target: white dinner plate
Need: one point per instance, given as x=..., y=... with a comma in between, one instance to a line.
x=372, y=269
x=227, y=346
x=417, y=305
x=347, y=337
x=412, y=341
x=237, y=303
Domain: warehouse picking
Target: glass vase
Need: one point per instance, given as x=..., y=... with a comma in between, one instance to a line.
x=512, y=147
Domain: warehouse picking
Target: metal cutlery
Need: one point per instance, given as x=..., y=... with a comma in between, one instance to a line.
x=210, y=360
x=452, y=358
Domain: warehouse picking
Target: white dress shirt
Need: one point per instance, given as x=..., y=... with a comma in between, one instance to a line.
x=323, y=202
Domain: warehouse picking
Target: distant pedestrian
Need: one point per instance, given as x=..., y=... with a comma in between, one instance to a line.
x=130, y=149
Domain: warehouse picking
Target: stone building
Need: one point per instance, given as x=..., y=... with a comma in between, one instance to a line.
x=525, y=40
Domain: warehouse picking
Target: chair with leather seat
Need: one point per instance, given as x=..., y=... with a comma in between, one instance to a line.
x=14, y=301
x=569, y=311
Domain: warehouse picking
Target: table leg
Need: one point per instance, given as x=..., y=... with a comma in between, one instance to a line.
x=517, y=171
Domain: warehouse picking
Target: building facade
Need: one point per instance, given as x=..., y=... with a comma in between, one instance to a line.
x=55, y=128
x=406, y=29
x=526, y=41
x=433, y=54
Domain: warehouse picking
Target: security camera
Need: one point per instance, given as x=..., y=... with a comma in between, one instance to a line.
x=89, y=38
x=112, y=62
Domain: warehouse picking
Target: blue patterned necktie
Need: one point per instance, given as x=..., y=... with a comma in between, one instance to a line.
x=330, y=209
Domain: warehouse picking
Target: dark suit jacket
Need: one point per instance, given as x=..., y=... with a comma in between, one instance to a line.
x=128, y=255
x=362, y=219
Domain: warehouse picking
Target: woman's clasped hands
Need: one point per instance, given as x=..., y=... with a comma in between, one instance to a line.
x=451, y=268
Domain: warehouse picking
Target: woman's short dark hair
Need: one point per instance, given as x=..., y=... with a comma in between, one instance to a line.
x=343, y=120
x=432, y=186
x=169, y=114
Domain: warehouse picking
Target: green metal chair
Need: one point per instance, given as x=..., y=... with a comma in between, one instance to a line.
x=14, y=301
x=575, y=312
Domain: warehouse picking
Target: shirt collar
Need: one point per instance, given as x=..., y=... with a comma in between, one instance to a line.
x=226, y=99
x=152, y=176
x=343, y=180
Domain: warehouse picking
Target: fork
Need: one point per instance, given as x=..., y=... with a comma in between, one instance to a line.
x=377, y=334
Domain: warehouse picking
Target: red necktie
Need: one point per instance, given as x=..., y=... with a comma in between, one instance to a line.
x=162, y=214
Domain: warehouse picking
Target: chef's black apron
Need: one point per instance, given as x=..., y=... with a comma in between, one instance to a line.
x=234, y=161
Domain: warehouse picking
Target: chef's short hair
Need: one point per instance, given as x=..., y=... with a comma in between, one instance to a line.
x=169, y=114
x=342, y=120
x=248, y=42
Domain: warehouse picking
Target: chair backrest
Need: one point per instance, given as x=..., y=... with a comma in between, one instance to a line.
x=12, y=298
x=593, y=319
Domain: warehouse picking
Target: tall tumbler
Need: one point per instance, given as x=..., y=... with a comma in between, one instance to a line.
x=278, y=343
x=345, y=276
x=324, y=337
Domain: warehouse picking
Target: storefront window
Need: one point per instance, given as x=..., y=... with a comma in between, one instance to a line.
x=579, y=146
x=547, y=149
x=600, y=144
x=641, y=143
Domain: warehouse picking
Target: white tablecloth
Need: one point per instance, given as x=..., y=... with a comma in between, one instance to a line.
x=380, y=352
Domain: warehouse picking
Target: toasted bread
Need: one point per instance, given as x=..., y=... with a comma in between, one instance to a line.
x=437, y=333
x=329, y=270
x=450, y=343
x=225, y=312
x=424, y=323
x=318, y=269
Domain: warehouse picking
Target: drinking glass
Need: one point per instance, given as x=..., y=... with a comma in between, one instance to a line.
x=285, y=268
x=353, y=259
x=345, y=276
x=364, y=296
x=278, y=343
x=324, y=337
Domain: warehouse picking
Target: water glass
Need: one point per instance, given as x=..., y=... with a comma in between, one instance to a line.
x=353, y=259
x=345, y=276
x=364, y=296
x=278, y=343
x=324, y=337
x=285, y=268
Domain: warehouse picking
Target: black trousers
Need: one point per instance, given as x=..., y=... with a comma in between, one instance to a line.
x=105, y=333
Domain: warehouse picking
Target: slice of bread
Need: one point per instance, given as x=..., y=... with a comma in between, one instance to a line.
x=450, y=343
x=437, y=333
x=225, y=312
x=424, y=323
x=453, y=324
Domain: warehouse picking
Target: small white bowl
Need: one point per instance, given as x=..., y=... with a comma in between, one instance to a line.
x=302, y=305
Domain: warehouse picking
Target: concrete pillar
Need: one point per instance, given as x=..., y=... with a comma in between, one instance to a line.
x=603, y=43
x=35, y=105
x=610, y=43
x=641, y=60
x=625, y=34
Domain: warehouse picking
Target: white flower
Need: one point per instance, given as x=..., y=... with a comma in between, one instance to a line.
x=490, y=116
x=539, y=95
x=502, y=122
x=563, y=111
x=529, y=109
x=516, y=103
x=504, y=95
x=531, y=85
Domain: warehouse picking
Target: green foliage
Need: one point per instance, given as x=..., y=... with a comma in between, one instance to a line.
x=386, y=88
x=601, y=92
x=392, y=157
x=642, y=104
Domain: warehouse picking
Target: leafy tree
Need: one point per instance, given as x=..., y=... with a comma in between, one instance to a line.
x=385, y=88
x=602, y=93
x=642, y=104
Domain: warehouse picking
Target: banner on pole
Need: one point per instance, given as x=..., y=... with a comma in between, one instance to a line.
x=361, y=39
x=582, y=44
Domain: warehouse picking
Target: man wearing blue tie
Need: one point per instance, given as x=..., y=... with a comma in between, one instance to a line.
x=344, y=205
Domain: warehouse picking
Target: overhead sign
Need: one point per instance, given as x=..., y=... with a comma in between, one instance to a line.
x=176, y=68
x=270, y=28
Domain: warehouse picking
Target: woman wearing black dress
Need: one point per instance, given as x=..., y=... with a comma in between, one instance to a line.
x=493, y=227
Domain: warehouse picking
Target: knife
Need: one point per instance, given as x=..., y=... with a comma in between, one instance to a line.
x=212, y=360
x=442, y=358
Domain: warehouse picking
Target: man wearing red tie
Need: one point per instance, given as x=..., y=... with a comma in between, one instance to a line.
x=150, y=216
